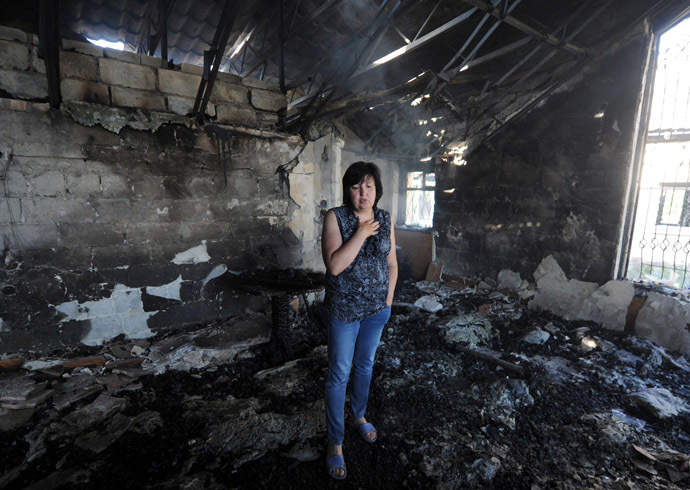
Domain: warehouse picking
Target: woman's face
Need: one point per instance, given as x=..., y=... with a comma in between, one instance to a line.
x=363, y=195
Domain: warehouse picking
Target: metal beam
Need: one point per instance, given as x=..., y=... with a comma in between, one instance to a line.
x=165, y=8
x=447, y=74
x=416, y=44
x=214, y=56
x=527, y=29
x=553, y=52
x=49, y=47
x=316, y=13
x=428, y=18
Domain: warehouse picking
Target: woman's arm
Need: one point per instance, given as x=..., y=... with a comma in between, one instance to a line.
x=337, y=256
x=392, y=269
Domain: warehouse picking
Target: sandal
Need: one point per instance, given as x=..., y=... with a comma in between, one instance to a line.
x=365, y=429
x=334, y=463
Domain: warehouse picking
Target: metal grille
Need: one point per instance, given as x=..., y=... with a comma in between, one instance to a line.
x=419, y=206
x=660, y=246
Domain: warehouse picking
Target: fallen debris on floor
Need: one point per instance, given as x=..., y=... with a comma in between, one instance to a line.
x=482, y=393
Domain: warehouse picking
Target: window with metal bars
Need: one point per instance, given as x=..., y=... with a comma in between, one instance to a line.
x=660, y=242
x=419, y=199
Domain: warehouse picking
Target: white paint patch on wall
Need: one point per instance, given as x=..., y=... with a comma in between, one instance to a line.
x=162, y=212
x=169, y=291
x=122, y=313
x=1, y=322
x=217, y=271
x=232, y=203
x=194, y=255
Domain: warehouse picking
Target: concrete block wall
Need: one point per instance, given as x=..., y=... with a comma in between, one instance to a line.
x=551, y=183
x=92, y=74
x=129, y=232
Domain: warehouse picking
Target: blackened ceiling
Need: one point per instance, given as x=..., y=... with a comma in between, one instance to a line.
x=464, y=68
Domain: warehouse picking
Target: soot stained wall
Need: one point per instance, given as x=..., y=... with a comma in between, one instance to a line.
x=552, y=183
x=106, y=230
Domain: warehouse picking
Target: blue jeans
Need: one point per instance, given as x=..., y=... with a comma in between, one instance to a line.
x=350, y=344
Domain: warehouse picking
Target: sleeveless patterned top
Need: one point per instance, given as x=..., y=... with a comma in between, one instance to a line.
x=361, y=289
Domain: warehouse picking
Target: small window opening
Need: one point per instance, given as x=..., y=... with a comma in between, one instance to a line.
x=419, y=195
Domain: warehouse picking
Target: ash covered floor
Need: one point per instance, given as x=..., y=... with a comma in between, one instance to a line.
x=571, y=405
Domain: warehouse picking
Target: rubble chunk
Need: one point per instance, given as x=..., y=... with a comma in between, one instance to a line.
x=537, y=336
x=510, y=280
x=428, y=303
x=659, y=402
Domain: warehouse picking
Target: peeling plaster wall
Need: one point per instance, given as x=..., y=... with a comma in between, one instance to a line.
x=316, y=186
x=117, y=220
x=552, y=183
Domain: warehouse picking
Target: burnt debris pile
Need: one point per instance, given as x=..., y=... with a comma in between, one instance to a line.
x=471, y=390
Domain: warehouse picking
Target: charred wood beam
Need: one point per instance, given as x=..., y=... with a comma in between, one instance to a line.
x=263, y=59
x=214, y=56
x=509, y=366
x=49, y=47
x=527, y=29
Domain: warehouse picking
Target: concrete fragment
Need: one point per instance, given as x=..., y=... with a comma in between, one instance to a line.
x=428, y=303
x=549, y=268
x=537, y=336
x=664, y=319
x=659, y=402
x=508, y=279
x=609, y=304
x=557, y=294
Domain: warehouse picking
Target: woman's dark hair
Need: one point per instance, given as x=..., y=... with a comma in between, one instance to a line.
x=355, y=174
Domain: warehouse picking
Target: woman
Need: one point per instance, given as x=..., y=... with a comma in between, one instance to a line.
x=358, y=248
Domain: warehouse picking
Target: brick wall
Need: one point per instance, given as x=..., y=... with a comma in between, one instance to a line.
x=115, y=217
x=552, y=183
